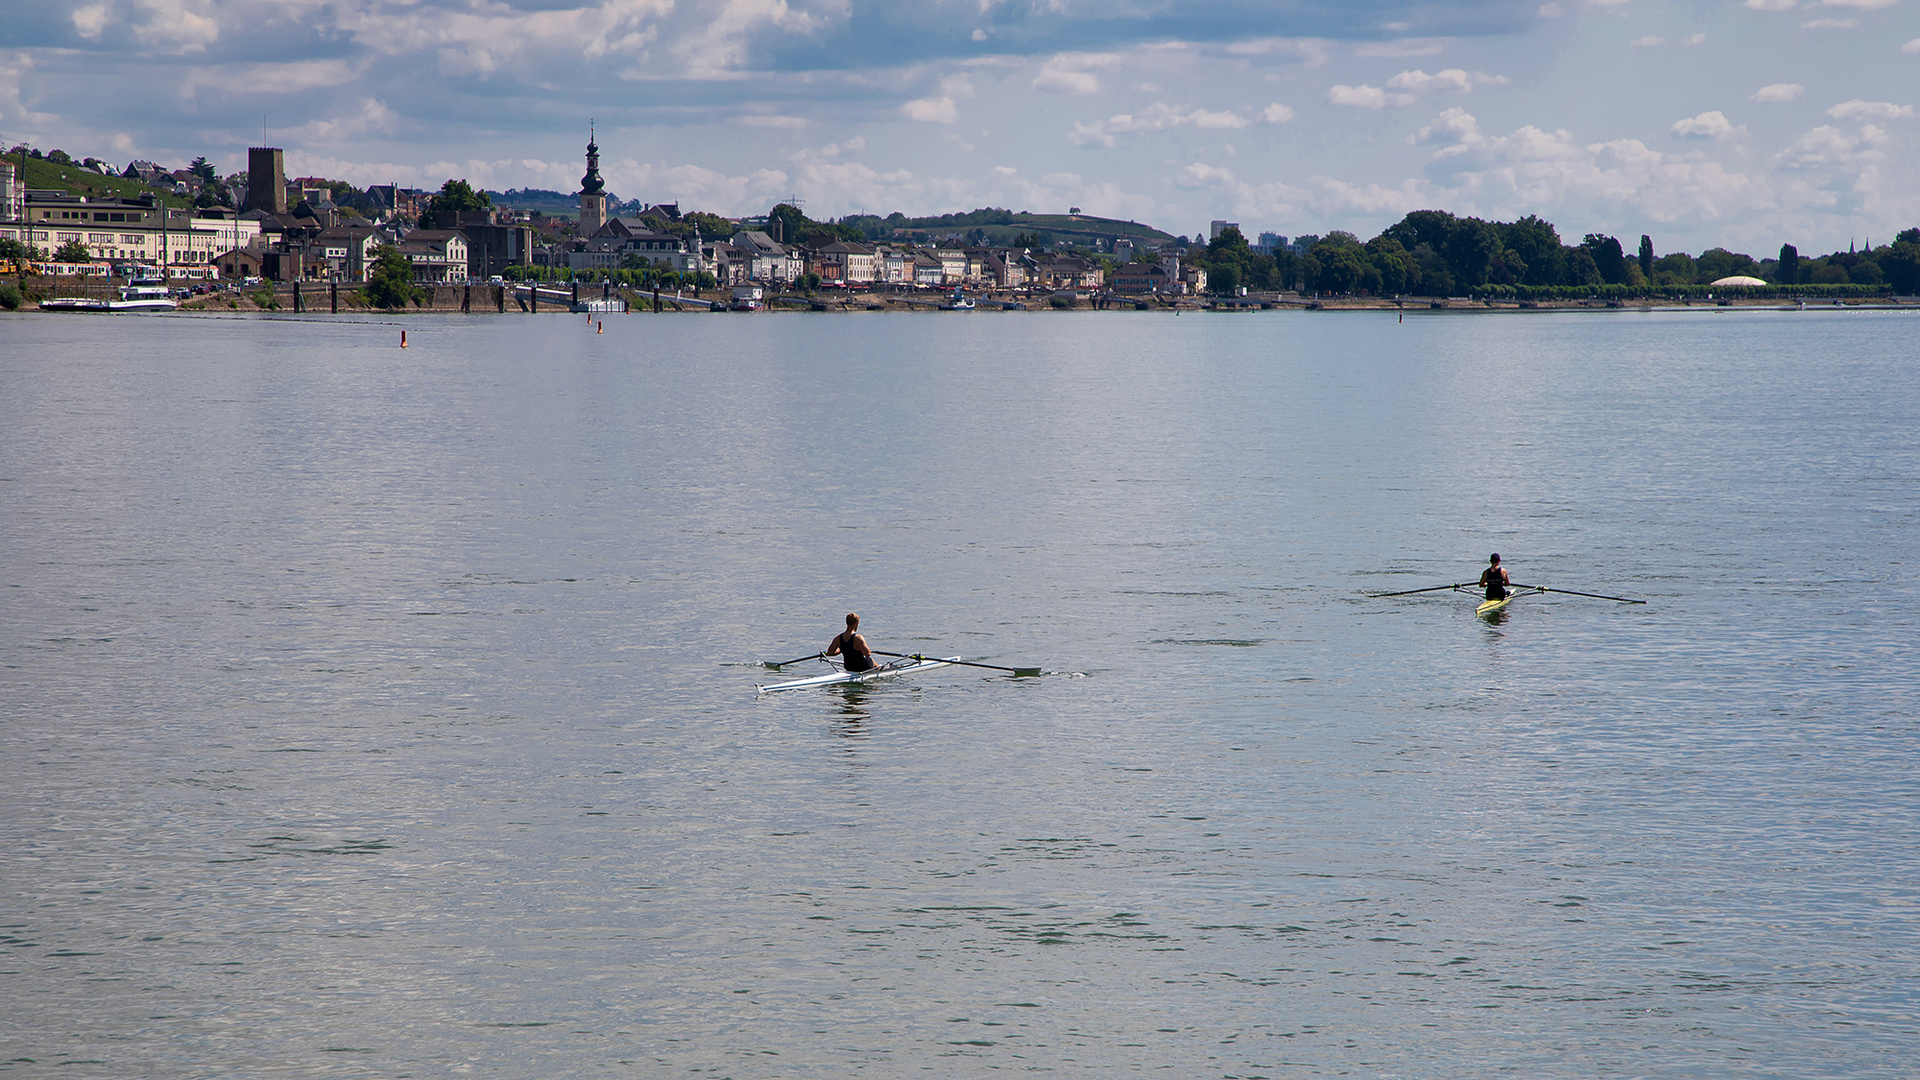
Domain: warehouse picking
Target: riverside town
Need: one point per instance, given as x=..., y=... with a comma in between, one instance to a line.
x=84, y=234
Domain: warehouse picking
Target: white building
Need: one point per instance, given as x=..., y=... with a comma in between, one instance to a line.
x=13, y=191
x=135, y=231
x=439, y=256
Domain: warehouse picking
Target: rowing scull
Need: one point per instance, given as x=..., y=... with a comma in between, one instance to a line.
x=884, y=671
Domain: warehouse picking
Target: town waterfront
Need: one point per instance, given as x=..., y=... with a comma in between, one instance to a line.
x=369, y=712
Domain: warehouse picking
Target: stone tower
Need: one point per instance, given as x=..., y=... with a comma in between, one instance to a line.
x=593, y=193
x=267, y=179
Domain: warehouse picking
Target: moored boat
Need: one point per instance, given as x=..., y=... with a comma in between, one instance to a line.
x=141, y=294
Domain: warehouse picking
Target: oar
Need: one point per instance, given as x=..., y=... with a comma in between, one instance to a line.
x=1020, y=671
x=795, y=660
x=1570, y=592
x=1430, y=588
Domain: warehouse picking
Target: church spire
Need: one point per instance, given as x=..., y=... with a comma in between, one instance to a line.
x=591, y=184
x=593, y=191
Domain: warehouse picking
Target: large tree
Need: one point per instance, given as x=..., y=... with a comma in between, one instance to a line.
x=458, y=196
x=390, y=284
x=1581, y=269
x=1675, y=269
x=1901, y=263
x=1787, y=271
x=1537, y=245
x=1717, y=263
x=1395, y=265
x=1338, y=264
x=1608, y=257
x=73, y=251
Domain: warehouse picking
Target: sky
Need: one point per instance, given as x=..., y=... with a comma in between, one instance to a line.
x=1736, y=123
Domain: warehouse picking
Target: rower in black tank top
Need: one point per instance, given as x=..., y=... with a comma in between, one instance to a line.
x=852, y=646
x=1494, y=577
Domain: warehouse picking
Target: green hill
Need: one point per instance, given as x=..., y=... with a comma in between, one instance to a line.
x=1000, y=227
x=44, y=175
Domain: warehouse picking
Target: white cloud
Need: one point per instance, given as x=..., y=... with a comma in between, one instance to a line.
x=832, y=150
x=1366, y=97
x=1775, y=93
x=1156, y=117
x=1827, y=147
x=1771, y=5
x=1473, y=172
x=1708, y=125
x=1403, y=50
x=1648, y=42
x=346, y=123
x=775, y=121
x=1452, y=80
x=1406, y=88
x=1454, y=127
x=1911, y=46
x=485, y=39
x=1831, y=24
x=1693, y=39
x=940, y=110
x=229, y=82
x=1862, y=5
x=167, y=26
x=1339, y=197
x=1276, y=113
x=1197, y=177
x=1311, y=51
x=1073, y=73
x=13, y=105
x=1870, y=110
x=90, y=20
x=722, y=46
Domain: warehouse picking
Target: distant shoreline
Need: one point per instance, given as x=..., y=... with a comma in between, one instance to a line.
x=320, y=298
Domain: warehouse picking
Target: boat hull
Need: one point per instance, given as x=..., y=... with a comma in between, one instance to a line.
x=847, y=678
x=1491, y=607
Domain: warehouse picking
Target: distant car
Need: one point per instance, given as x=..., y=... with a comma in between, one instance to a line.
x=496, y=280
x=250, y=281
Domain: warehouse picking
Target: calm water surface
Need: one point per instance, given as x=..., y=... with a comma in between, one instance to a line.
x=369, y=713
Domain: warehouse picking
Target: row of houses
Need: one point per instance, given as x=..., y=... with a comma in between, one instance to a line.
x=753, y=256
x=346, y=253
x=331, y=246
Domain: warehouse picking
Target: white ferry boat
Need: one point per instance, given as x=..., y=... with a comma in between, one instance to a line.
x=140, y=294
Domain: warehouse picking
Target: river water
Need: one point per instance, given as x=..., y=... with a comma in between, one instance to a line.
x=375, y=713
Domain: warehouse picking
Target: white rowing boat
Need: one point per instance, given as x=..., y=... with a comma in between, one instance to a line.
x=841, y=677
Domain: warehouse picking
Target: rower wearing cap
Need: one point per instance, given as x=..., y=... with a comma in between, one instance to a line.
x=1494, y=577
x=851, y=645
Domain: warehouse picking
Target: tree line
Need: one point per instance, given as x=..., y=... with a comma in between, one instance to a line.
x=1434, y=253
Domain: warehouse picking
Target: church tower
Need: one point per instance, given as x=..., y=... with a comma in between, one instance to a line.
x=593, y=192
